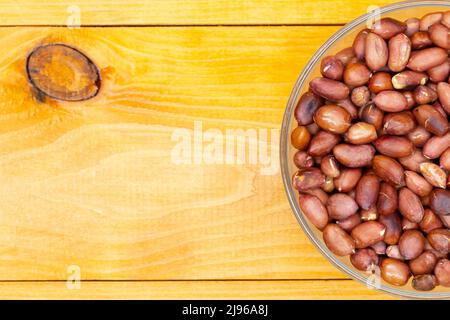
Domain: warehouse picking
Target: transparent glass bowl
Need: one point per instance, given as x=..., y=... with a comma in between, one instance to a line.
x=340, y=40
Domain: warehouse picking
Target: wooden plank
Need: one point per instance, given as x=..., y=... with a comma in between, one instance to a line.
x=183, y=12
x=94, y=183
x=289, y=290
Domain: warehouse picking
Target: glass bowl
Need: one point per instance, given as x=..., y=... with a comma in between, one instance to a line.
x=340, y=40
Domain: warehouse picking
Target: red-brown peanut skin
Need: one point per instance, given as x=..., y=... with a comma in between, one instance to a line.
x=411, y=244
x=367, y=191
x=387, y=202
x=393, y=251
x=388, y=27
x=360, y=96
x=425, y=282
x=348, y=179
x=430, y=221
x=388, y=170
x=349, y=223
x=417, y=184
x=368, y=233
x=308, y=178
x=390, y=101
x=359, y=44
x=439, y=35
x=354, y=156
x=419, y=136
x=395, y=271
x=314, y=210
x=423, y=264
x=443, y=90
x=322, y=143
x=442, y=272
x=399, y=52
x=435, y=146
x=332, y=68
x=303, y=160
x=409, y=79
x=306, y=107
x=425, y=59
x=409, y=205
x=319, y=193
x=333, y=118
x=421, y=40
x=361, y=133
x=338, y=241
x=440, y=240
x=356, y=74
x=393, y=226
x=412, y=26
x=433, y=174
x=440, y=73
x=329, y=166
x=429, y=19
x=413, y=161
x=380, y=81
x=376, y=52
x=399, y=124
x=431, y=119
x=424, y=94
x=329, y=89
x=341, y=206
x=371, y=114
x=379, y=247
x=345, y=55
x=300, y=138
x=394, y=146
x=409, y=225
x=364, y=259
x=444, y=161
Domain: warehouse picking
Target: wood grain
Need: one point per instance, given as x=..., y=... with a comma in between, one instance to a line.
x=287, y=290
x=184, y=12
x=93, y=183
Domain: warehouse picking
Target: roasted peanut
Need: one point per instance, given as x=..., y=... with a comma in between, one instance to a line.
x=300, y=138
x=417, y=184
x=399, y=52
x=308, y=178
x=350, y=222
x=424, y=95
x=426, y=282
x=419, y=136
x=329, y=89
x=395, y=271
x=306, y=107
x=444, y=161
x=411, y=244
x=393, y=226
x=388, y=27
x=314, y=210
x=413, y=161
x=388, y=170
x=376, y=52
x=394, y=146
x=430, y=221
x=423, y=264
x=433, y=174
x=348, y=179
x=421, y=40
x=443, y=90
x=341, y=206
x=439, y=73
x=440, y=201
x=387, y=202
x=442, y=272
x=439, y=35
x=390, y=101
x=412, y=26
x=409, y=79
x=431, y=119
x=409, y=205
x=380, y=81
x=356, y=74
x=333, y=118
x=425, y=59
x=303, y=160
x=435, y=146
x=360, y=96
x=364, y=259
x=322, y=143
x=332, y=68
x=440, y=240
x=368, y=233
x=399, y=123
x=359, y=44
x=372, y=115
x=429, y=19
x=354, y=156
x=338, y=241
x=361, y=133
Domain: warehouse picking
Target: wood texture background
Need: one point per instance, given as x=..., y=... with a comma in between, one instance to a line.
x=92, y=183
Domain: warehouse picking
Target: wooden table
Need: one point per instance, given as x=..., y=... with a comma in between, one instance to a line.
x=98, y=188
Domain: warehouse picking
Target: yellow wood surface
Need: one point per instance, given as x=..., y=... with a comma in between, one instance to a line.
x=176, y=12
x=93, y=184
x=286, y=290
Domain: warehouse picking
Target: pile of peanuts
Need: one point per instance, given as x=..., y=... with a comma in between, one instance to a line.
x=373, y=151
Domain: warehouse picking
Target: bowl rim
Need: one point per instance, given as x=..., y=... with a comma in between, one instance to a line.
x=285, y=146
